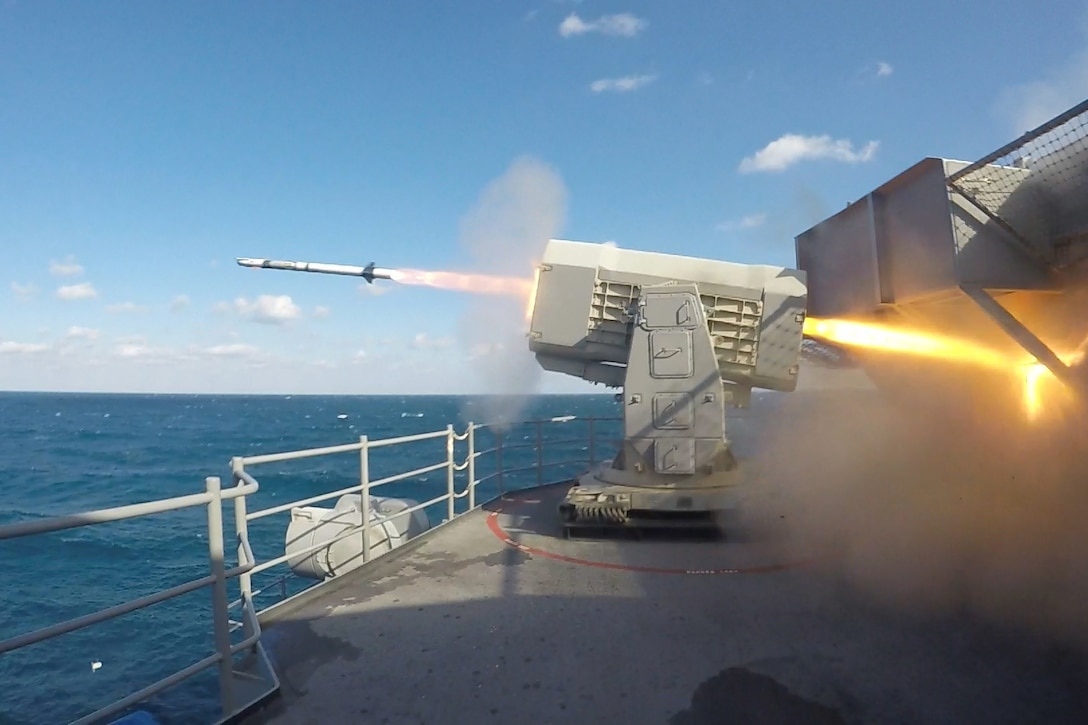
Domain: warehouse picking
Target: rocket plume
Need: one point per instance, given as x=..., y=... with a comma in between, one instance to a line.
x=909, y=342
x=487, y=284
x=1032, y=374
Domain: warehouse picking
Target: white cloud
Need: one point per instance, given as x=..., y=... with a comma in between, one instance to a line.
x=622, y=24
x=179, y=303
x=81, y=291
x=705, y=79
x=21, y=348
x=751, y=221
x=135, y=365
x=67, y=268
x=23, y=291
x=883, y=69
x=268, y=309
x=81, y=333
x=232, y=350
x=621, y=85
x=134, y=349
x=320, y=312
x=792, y=148
x=126, y=307
x=138, y=349
x=1028, y=105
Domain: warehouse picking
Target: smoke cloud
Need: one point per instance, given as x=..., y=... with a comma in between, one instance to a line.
x=505, y=233
x=975, y=513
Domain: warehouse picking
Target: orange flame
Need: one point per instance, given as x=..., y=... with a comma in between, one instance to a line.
x=914, y=342
x=911, y=342
x=1033, y=403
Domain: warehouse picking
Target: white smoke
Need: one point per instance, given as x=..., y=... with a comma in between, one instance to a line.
x=505, y=233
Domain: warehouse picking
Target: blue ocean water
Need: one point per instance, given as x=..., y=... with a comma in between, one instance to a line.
x=66, y=453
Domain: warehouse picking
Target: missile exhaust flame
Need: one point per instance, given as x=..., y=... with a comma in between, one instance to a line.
x=1033, y=375
x=486, y=284
x=1032, y=401
x=910, y=342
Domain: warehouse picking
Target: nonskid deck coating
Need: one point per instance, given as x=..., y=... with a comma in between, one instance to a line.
x=462, y=627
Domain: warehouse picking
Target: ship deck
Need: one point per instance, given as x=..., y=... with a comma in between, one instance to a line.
x=498, y=617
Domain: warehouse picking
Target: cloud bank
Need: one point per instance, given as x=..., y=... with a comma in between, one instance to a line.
x=792, y=149
x=68, y=268
x=622, y=84
x=623, y=25
x=81, y=291
x=268, y=309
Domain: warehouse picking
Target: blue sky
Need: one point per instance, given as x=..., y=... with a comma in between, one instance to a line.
x=145, y=145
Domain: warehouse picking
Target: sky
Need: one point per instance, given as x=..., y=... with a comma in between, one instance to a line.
x=146, y=145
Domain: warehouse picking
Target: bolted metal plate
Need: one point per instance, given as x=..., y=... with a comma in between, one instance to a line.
x=669, y=310
x=673, y=411
x=670, y=354
x=674, y=456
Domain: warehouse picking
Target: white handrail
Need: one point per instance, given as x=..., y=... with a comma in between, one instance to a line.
x=117, y=513
x=245, y=484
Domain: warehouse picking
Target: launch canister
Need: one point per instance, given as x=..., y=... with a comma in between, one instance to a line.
x=369, y=272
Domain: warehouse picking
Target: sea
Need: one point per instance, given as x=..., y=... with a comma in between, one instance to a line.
x=69, y=453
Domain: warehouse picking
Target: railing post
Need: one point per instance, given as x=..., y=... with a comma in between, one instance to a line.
x=364, y=480
x=539, y=452
x=241, y=530
x=498, y=461
x=592, y=443
x=471, y=466
x=220, y=613
x=450, y=463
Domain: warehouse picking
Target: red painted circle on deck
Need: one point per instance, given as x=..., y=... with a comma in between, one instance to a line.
x=498, y=531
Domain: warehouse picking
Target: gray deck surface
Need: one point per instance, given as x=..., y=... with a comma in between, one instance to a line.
x=462, y=627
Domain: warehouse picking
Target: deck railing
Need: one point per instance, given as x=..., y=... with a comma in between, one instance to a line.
x=216, y=579
x=240, y=690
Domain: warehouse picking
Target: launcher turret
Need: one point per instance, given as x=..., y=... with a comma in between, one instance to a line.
x=684, y=338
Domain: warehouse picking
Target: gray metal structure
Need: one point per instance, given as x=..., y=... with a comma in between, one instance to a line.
x=684, y=338
x=995, y=252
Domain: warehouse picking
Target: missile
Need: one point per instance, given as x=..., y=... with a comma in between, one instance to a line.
x=369, y=272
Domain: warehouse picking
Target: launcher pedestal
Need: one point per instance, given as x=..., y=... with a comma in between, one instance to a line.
x=684, y=338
